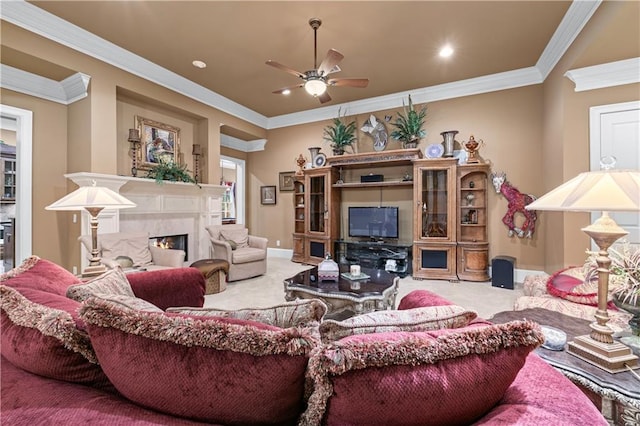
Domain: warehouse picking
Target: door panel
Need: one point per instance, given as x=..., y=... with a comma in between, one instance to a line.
x=615, y=131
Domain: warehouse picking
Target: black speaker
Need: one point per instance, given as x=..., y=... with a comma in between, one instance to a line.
x=371, y=178
x=502, y=270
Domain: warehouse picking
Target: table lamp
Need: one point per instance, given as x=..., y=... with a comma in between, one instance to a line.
x=605, y=190
x=92, y=199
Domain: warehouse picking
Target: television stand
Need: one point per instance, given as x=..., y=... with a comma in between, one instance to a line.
x=392, y=257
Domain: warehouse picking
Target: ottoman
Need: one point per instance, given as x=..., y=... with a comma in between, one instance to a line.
x=215, y=273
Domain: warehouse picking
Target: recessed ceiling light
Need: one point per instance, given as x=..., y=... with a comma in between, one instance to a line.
x=286, y=92
x=446, y=51
x=199, y=64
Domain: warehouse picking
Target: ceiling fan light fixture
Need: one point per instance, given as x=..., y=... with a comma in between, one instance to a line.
x=315, y=87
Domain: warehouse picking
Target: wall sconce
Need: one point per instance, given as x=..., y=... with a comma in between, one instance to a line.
x=134, y=138
x=196, y=152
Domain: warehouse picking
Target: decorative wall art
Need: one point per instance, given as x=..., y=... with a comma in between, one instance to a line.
x=378, y=132
x=159, y=143
x=286, y=181
x=268, y=194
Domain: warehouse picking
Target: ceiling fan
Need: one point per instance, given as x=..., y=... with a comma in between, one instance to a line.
x=315, y=80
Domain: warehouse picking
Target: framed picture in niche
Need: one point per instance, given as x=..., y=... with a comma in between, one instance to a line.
x=286, y=181
x=159, y=142
x=268, y=194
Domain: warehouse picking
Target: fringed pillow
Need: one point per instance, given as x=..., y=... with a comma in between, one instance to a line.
x=421, y=378
x=289, y=314
x=218, y=370
x=416, y=319
x=111, y=282
x=40, y=274
x=45, y=340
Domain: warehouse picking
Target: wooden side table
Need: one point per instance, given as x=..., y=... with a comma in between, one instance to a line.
x=618, y=395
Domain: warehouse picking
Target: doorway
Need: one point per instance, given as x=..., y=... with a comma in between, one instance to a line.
x=233, y=177
x=22, y=119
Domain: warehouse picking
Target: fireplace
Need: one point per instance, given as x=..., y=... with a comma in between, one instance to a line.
x=178, y=242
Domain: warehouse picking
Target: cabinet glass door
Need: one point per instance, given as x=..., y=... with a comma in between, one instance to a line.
x=434, y=203
x=317, y=203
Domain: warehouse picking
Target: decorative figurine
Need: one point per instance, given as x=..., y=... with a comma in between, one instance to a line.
x=300, y=161
x=472, y=146
x=328, y=270
x=377, y=130
x=517, y=202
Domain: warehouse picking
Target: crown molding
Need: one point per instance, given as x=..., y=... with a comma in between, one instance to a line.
x=38, y=21
x=606, y=75
x=240, y=145
x=64, y=92
x=572, y=23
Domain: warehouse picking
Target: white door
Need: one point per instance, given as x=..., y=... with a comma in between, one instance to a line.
x=615, y=131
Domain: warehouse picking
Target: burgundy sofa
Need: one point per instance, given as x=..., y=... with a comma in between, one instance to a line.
x=538, y=394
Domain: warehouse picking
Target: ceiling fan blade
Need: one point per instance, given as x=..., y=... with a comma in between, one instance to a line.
x=285, y=68
x=348, y=82
x=284, y=89
x=324, y=97
x=332, y=59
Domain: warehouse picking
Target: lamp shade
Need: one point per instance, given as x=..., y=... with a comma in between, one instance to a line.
x=91, y=197
x=315, y=87
x=605, y=190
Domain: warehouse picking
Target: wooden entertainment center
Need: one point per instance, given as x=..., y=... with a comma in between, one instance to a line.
x=446, y=207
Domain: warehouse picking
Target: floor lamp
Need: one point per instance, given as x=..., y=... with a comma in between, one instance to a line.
x=606, y=190
x=92, y=199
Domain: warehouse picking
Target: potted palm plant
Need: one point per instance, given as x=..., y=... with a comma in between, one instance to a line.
x=408, y=126
x=340, y=135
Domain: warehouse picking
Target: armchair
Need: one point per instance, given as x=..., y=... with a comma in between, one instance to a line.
x=246, y=254
x=136, y=246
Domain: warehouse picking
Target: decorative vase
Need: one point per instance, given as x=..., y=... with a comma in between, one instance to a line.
x=448, y=136
x=314, y=150
x=472, y=146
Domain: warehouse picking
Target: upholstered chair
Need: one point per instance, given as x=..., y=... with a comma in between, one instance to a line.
x=134, y=245
x=246, y=254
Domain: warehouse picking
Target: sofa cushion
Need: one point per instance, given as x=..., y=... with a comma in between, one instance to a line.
x=222, y=370
x=417, y=378
x=239, y=236
x=45, y=340
x=40, y=274
x=131, y=244
x=113, y=281
x=417, y=319
x=247, y=254
x=422, y=298
x=289, y=314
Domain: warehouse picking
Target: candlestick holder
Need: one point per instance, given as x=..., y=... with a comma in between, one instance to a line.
x=134, y=139
x=196, y=152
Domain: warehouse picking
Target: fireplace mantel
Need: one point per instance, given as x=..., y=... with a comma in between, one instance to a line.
x=161, y=208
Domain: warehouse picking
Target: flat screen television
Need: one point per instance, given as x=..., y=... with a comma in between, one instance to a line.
x=373, y=222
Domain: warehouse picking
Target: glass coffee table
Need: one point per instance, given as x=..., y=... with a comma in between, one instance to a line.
x=619, y=393
x=347, y=297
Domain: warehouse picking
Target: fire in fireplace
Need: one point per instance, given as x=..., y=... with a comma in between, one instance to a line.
x=178, y=242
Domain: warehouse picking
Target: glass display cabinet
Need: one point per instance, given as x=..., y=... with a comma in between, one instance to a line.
x=434, y=252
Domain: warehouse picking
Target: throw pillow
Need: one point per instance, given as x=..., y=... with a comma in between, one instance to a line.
x=428, y=378
x=45, y=340
x=131, y=244
x=417, y=319
x=232, y=243
x=290, y=314
x=569, y=284
x=209, y=369
x=240, y=236
x=113, y=281
x=40, y=274
x=130, y=302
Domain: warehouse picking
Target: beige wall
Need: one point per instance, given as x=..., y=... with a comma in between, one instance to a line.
x=538, y=135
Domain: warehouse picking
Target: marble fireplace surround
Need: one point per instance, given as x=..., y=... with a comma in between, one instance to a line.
x=162, y=209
